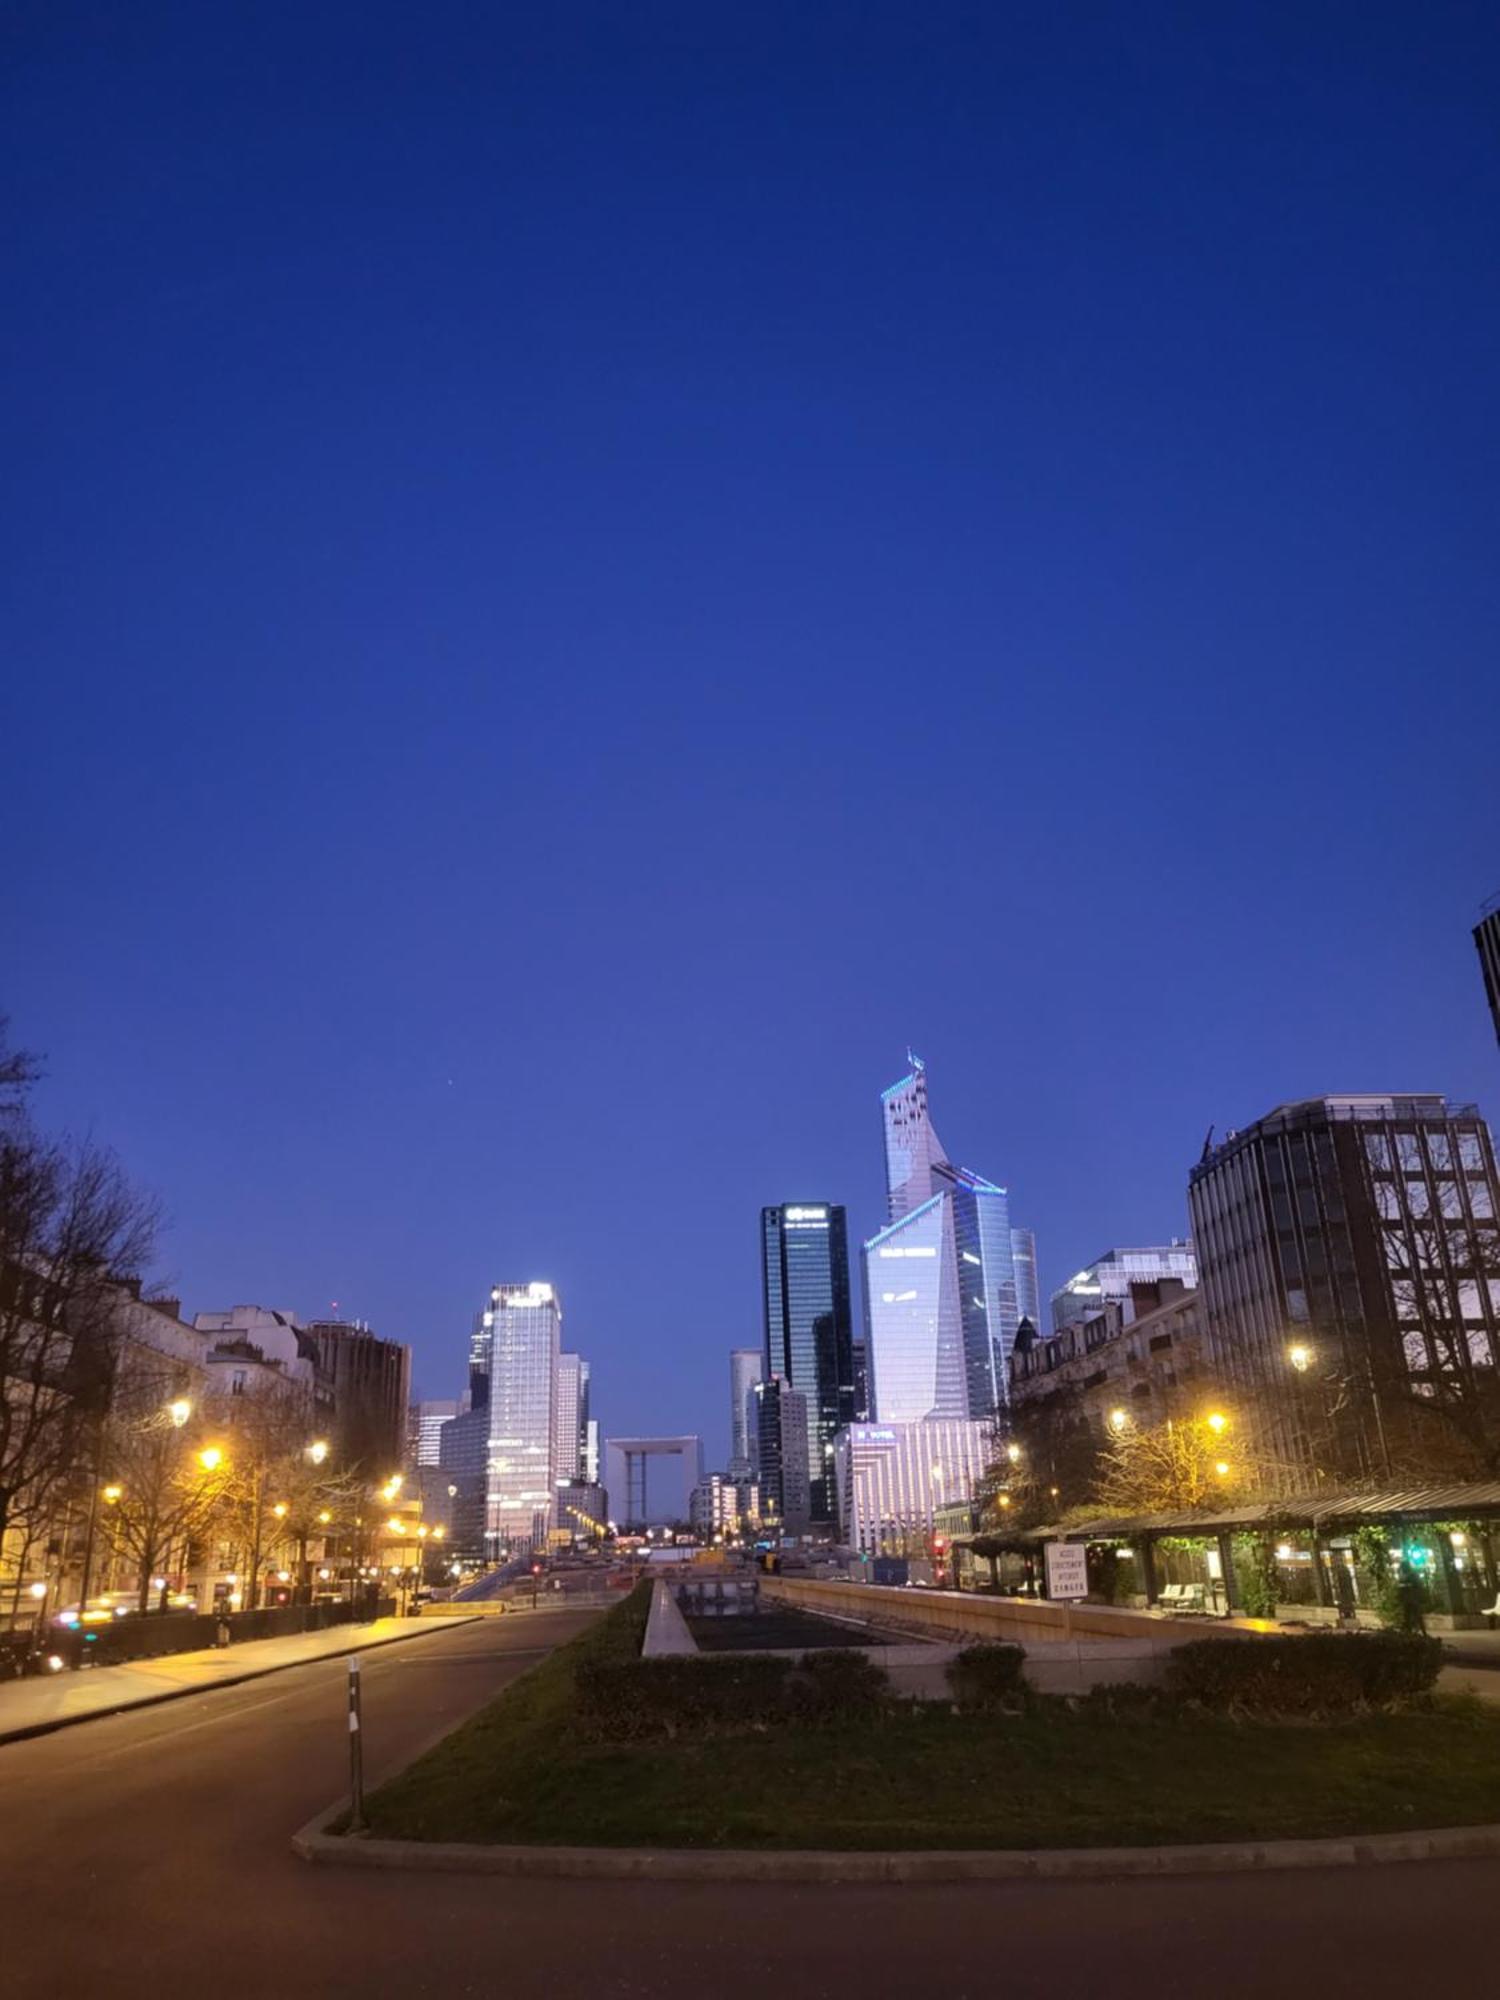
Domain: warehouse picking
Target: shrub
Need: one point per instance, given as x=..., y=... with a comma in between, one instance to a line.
x=831, y=1686
x=696, y=1695
x=987, y=1677
x=1127, y=1701
x=1322, y=1673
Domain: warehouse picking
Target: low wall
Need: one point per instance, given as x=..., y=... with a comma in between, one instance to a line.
x=1061, y=1636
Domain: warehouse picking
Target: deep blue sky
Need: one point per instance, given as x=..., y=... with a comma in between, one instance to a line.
x=579, y=576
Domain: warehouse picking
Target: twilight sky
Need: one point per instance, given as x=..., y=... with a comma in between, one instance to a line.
x=577, y=576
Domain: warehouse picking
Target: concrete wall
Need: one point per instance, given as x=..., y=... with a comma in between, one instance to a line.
x=1085, y=1633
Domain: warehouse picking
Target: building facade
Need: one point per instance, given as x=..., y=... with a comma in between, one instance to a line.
x=715, y=1510
x=808, y=1328
x=941, y=1297
x=780, y=1434
x=570, y=1419
x=746, y=1368
x=1115, y=1277
x=1028, y=1284
x=641, y=1500
x=1151, y=1364
x=371, y=1381
x=463, y=1459
x=892, y=1478
x=524, y=1328
x=1349, y=1253
x=425, y=1422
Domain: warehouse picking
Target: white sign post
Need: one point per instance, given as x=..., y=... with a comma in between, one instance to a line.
x=1067, y=1571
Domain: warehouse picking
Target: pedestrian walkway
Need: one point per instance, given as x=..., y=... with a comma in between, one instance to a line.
x=55, y=1701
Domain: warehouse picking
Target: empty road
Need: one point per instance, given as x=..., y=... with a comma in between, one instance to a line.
x=147, y=1855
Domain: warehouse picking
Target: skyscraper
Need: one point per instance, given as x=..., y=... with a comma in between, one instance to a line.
x=746, y=1368
x=940, y=1282
x=371, y=1392
x=808, y=1330
x=1028, y=1285
x=570, y=1419
x=781, y=1430
x=524, y=1325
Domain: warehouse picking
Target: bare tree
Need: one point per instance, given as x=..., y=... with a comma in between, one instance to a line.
x=71, y=1227
x=167, y=1474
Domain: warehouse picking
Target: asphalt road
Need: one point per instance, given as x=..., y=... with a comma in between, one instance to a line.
x=147, y=1855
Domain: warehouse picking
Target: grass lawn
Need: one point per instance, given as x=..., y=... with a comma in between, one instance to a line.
x=517, y=1772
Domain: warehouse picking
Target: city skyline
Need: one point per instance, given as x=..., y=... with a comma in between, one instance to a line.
x=677, y=492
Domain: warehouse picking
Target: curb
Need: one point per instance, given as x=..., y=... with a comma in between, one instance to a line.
x=56, y=1722
x=694, y=1864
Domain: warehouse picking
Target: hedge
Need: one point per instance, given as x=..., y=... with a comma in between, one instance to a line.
x=711, y=1694
x=987, y=1677
x=1321, y=1673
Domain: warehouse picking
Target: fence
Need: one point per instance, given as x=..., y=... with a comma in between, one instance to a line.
x=145, y=1635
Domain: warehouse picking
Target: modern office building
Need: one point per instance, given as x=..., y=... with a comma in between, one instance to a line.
x=861, y=1382
x=570, y=1419
x=893, y=1477
x=715, y=1511
x=479, y=1362
x=463, y=1459
x=808, y=1328
x=1349, y=1260
x=746, y=1368
x=1116, y=1275
x=424, y=1426
x=582, y=1510
x=1487, y=944
x=591, y=1450
x=1028, y=1288
x=371, y=1391
x=780, y=1434
x=524, y=1324
x=940, y=1284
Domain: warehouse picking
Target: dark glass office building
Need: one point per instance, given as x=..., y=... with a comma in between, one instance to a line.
x=1487, y=944
x=809, y=1332
x=1349, y=1261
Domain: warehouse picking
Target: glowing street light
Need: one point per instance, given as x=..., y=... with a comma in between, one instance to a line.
x=1118, y=1419
x=179, y=1411
x=1217, y=1421
x=111, y=1495
x=317, y=1451
x=279, y=1510
x=211, y=1458
x=1013, y=1453
x=324, y=1516
x=1300, y=1355
x=1221, y=1468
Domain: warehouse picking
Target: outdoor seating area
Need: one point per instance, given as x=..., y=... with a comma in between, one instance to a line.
x=1311, y=1559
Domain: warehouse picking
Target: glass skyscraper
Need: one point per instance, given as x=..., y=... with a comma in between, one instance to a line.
x=940, y=1280
x=524, y=1326
x=808, y=1329
x=746, y=1368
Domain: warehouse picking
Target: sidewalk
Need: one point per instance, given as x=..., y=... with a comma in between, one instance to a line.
x=37, y=1706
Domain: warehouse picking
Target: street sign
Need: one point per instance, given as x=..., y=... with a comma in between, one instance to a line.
x=1067, y=1570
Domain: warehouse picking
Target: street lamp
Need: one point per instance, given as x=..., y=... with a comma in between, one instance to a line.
x=211, y=1458
x=111, y=1495
x=317, y=1451
x=1118, y=1419
x=1217, y=1421
x=179, y=1411
x=1221, y=1468
x=1013, y=1453
x=1300, y=1355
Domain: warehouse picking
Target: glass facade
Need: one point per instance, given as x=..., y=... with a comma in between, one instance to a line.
x=808, y=1329
x=746, y=1368
x=940, y=1281
x=570, y=1418
x=1113, y=1277
x=1028, y=1285
x=524, y=1323
x=1363, y=1230
x=781, y=1431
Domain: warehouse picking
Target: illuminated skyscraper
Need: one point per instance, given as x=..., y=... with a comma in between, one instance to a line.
x=746, y=1368
x=809, y=1334
x=524, y=1325
x=940, y=1281
x=570, y=1419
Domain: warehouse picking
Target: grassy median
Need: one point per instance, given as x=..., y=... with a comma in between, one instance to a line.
x=518, y=1771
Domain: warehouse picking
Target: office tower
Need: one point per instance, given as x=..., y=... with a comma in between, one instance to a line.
x=1487, y=944
x=1118, y=1277
x=1349, y=1263
x=479, y=1362
x=1028, y=1289
x=781, y=1432
x=940, y=1283
x=463, y=1455
x=591, y=1450
x=746, y=1368
x=808, y=1328
x=371, y=1391
x=524, y=1324
x=424, y=1427
x=570, y=1417
x=893, y=1477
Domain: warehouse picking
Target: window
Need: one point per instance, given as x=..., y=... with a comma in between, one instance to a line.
x=1414, y=1346
x=1378, y=1151
x=1480, y=1353
x=1417, y=1199
x=237, y=1382
x=1387, y=1201
x=1404, y=1297
x=1408, y=1152
x=1480, y=1198
x=1470, y=1152
x=1439, y=1150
